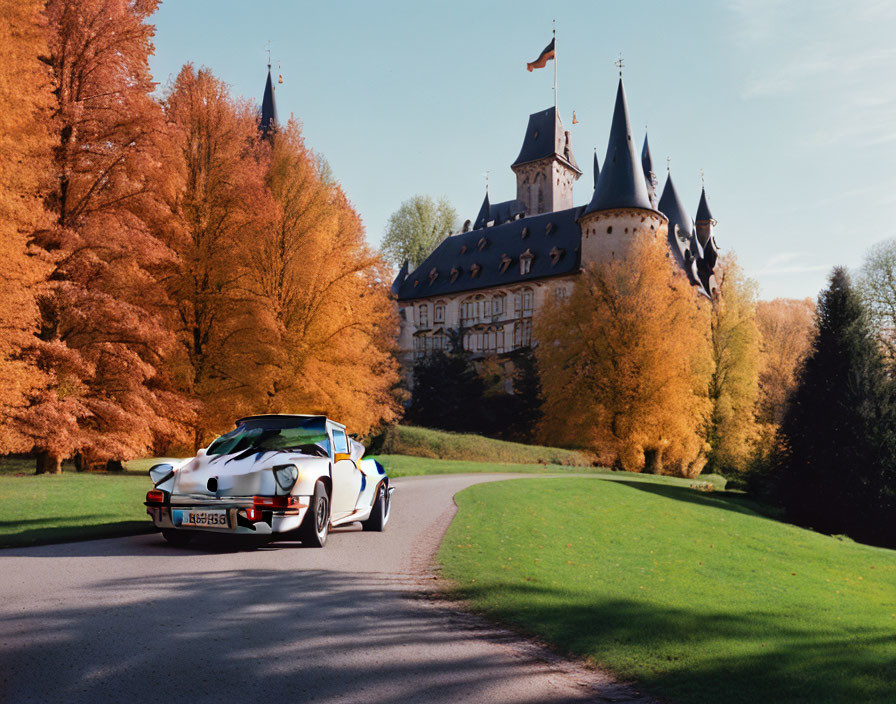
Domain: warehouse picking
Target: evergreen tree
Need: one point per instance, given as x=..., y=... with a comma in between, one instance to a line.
x=448, y=393
x=839, y=450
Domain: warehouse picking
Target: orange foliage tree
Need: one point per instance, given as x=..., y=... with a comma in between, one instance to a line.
x=25, y=149
x=786, y=328
x=100, y=343
x=324, y=292
x=625, y=364
x=219, y=209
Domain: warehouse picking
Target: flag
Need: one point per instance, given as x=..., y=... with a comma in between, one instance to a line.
x=574, y=120
x=543, y=57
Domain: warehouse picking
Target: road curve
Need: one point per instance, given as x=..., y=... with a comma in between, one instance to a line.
x=134, y=620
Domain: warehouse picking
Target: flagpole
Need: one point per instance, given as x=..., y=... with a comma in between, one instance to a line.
x=555, y=64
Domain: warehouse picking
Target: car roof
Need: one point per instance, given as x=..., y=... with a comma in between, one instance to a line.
x=262, y=416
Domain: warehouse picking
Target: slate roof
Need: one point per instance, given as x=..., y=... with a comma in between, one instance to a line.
x=596, y=169
x=268, y=106
x=621, y=183
x=544, y=138
x=500, y=243
x=671, y=206
x=703, y=212
x=498, y=213
x=646, y=161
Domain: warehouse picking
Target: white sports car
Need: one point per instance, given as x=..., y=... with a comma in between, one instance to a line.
x=272, y=474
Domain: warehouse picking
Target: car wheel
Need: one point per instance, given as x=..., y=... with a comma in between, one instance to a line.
x=178, y=538
x=316, y=525
x=379, y=515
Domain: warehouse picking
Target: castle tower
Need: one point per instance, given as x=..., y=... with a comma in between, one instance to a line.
x=705, y=222
x=545, y=168
x=596, y=170
x=680, y=232
x=268, y=108
x=620, y=208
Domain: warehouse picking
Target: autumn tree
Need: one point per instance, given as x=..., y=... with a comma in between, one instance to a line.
x=100, y=343
x=416, y=228
x=734, y=384
x=838, y=460
x=324, y=298
x=785, y=331
x=625, y=364
x=219, y=209
x=25, y=158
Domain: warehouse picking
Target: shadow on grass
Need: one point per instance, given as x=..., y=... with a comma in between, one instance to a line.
x=70, y=533
x=725, y=500
x=705, y=654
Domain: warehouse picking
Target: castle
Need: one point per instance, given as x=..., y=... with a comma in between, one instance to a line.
x=487, y=282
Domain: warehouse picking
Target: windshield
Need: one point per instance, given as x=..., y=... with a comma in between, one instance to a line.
x=306, y=435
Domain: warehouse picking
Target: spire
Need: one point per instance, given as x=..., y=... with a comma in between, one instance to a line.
x=621, y=183
x=646, y=161
x=596, y=168
x=680, y=231
x=484, y=212
x=399, y=280
x=268, y=107
x=703, y=209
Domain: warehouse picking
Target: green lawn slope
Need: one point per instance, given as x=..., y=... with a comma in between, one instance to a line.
x=437, y=444
x=695, y=596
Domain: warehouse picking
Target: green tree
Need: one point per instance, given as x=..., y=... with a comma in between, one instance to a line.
x=734, y=385
x=416, y=228
x=838, y=460
x=877, y=285
x=448, y=393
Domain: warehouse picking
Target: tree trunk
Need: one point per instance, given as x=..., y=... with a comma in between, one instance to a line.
x=114, y=466
x=653, y=460
x=80, y=465
x=46, y=463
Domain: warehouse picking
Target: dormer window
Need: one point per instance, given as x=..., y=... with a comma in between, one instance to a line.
x=505, y=262
x=463, y=249
x=556, y=255
x=433, y=275
x=548, y=228
x=525, y=232
x=455, y=272
x=475, y=269
x=482, y=243
x=526, y=261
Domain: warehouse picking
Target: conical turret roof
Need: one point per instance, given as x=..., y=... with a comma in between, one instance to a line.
x=596, y=169
x=621, y=183
x=268, y=107
x=483, y=217
x=703, y=212
x=646, y=161
x=671, y=206
x=545, y=137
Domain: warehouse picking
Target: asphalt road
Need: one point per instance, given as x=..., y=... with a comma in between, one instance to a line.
x=134, y=620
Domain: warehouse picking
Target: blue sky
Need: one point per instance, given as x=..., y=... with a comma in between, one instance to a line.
x=789, y=108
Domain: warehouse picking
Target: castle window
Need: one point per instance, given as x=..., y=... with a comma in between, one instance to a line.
x=556, y=255
x=610, y=230
x=423, y=316
x=498, y=305
x=439, y=316
x=525, y=232
x=482, y=244
x=523, y=303
x=469, y=312
x=561, y=293
x=526, y=262
x=463, y=249
x=475, y=269
x=522, y=334
x=505, y=262
x=455, y=272
x=540, y=201
x=548, y=228
x=440, y=342
x=433, y=275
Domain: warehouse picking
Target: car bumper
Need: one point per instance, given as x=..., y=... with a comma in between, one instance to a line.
x=270, y=521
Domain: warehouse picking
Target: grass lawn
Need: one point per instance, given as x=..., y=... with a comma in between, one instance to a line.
x=70, y=506
x=693, y=595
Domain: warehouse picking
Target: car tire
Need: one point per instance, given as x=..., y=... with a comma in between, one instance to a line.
x=379, y=514
x=316, y=525
x=177, y=538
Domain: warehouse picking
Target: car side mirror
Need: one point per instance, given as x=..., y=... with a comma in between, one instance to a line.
x=201, y=452
x=339, y=456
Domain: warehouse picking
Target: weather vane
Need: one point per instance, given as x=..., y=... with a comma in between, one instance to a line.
x=702, y=182
x=668, y=164
x=486, y=181
x=269, y=53
x=619, y=63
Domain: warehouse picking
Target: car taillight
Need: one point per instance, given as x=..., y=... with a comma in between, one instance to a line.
x=155, y=496
x=253, y=514
x=275, y=501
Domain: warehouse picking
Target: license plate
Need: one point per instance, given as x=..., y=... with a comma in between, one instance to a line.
x=200, y=519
